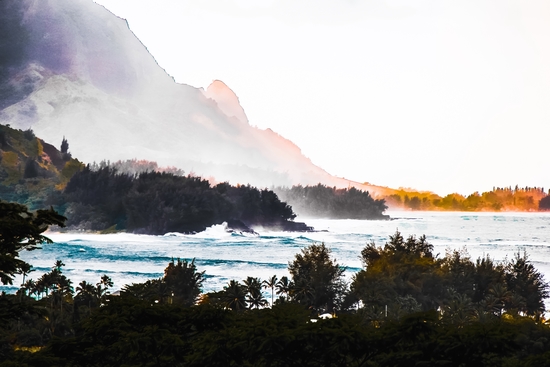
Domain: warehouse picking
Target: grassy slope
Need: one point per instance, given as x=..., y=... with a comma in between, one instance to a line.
x=30, y=168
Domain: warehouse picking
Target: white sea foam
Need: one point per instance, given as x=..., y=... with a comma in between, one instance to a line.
x=218, y=231
x=129, y=258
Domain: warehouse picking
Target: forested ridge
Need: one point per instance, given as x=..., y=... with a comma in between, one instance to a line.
x=405, y=307
x=160, y=202
x=321, y=201
x=34, y=173
x=141, y=197
x=136, y=196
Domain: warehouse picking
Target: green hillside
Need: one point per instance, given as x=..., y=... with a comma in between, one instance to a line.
x=31, y=169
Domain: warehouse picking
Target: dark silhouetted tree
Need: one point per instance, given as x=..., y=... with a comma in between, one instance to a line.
x=318, y=279
x=524, y=280
x=64, y=146
x=184, y=281
x=22, y=230
x=233, y=296
x=271, y=283
x=29, y=134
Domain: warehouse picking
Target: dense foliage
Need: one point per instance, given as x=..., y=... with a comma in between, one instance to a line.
x=405, y=308
x=157, y=203
x=317, y=280
x=130, y=332
x=404, y=276
x=321, y=201
x=181, y=284
x=21, y=230
x=500, y=198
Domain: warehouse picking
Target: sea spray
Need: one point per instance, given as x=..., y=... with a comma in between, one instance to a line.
x=129, y=258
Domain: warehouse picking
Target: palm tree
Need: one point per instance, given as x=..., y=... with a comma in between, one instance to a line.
x=65, y=291
x=283, y=286
x=85, y=293
x=271, y=283
x=58, y=265
x=25, y=270
x=102, y=288
x=106, y=281
x=254, y=292
x=41, y=287
x=252, y=284
x=256, y=299
x=30, y=286
x=234, y=296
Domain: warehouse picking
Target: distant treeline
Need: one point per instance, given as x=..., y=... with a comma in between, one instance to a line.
x=506, y=198
x=157, y=203
x=135, y=167
x=329, y=202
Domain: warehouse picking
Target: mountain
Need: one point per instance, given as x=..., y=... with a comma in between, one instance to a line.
x=70, y=68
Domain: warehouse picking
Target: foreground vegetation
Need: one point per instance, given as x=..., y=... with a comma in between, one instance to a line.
x=405, y=307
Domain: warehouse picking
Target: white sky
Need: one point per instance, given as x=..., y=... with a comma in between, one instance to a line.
x=446, y=96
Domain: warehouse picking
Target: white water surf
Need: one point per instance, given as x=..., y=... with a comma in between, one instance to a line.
x=130, y=258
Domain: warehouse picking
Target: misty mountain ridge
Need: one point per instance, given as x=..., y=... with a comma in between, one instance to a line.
x=71, y=68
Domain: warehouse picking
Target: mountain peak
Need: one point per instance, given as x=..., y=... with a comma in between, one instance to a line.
x=226, y=100
x=72, y=68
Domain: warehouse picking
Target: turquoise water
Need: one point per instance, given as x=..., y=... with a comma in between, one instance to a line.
x=129, y=258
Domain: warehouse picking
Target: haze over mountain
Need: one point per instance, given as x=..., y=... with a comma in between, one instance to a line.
x=71, y=68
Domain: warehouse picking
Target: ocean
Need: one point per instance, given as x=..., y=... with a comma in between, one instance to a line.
x=130, y=258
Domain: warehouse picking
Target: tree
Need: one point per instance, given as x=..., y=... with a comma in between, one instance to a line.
x=318, y=279
x=271, y=283
x=64, y=146
x=102, y=288
x=524, y=280
x=85, y=294
x=29, y=134
x=399, y=270
x=254, y=295
x=22, y=230
x=284, y=285
x=25, y=270
x=233, y=296
x=184, y=281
